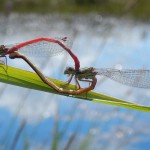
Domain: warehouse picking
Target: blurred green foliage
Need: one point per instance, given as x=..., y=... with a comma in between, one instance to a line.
x=135, y=8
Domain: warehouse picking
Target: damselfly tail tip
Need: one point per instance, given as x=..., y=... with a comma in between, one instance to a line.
x=64, y=39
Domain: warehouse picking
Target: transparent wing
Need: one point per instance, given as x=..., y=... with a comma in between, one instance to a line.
x=135, y=78
x=43, y=48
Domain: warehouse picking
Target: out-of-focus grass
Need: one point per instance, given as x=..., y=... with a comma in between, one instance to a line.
x=134, y=8
x=30, y=80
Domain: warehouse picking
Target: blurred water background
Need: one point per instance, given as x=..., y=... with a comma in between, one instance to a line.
x=32, y=119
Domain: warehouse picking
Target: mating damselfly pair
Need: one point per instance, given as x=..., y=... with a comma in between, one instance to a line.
x=52, y=46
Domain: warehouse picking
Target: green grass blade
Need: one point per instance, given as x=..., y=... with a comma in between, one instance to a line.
x=30, y=80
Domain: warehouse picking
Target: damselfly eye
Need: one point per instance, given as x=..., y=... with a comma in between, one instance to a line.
x=70, y=69
x=2, y=49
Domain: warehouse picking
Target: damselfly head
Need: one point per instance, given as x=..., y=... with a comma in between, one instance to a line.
x=3, y=49
x=69, y=71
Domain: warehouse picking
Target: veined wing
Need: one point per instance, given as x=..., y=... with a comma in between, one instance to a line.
x=43, y=48
x=135, y=78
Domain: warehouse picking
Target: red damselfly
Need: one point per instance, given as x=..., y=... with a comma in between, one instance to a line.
x=41, y=47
